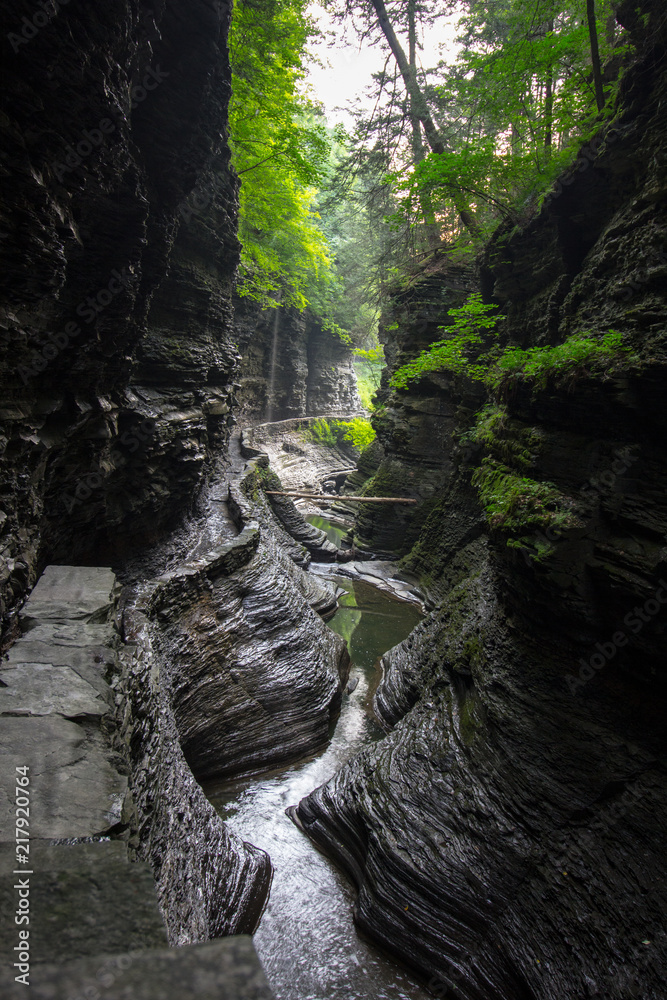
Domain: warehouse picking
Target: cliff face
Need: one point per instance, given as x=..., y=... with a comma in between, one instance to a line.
x=117, y=255
x=118, y=363
x=506, y=836
x=291, y=366
x=414, y=429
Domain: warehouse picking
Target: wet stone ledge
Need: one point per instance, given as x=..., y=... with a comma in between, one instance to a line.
x=92, y=905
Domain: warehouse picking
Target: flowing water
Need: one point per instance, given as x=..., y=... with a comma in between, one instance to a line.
x=307, y=941
x=270, y=402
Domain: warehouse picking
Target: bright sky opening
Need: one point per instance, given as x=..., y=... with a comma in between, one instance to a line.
x=346, y=68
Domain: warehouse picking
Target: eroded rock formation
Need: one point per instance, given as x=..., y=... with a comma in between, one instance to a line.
x=117, y=256
x=118, y=367
x=506, y=837
x=291, y=366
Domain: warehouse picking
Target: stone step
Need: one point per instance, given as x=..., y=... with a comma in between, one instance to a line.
x=95, y=927
x=85, y=899
x=75, y=789
x=71, y=593
x=46, y=689
x=225, y=969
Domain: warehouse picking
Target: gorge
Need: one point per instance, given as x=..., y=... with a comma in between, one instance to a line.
x=164, y=619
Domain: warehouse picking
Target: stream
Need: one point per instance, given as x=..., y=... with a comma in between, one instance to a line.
x=307, y=941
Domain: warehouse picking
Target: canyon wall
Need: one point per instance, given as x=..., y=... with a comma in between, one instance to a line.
x=118, y=369
x=507, y=836
x=291, y=366
x=117, y=256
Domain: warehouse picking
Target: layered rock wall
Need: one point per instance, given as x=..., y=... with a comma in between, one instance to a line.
x=506, y=836
x=116, y=260
x=291, y=366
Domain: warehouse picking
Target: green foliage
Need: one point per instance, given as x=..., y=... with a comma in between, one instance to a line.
x=519, y=102
x=514, y=502
x=280, y=149
x=473, y=319
x=505, y=439
x=504, y=119
x=324, y=431
x=579, y=354
x=368, y=369
x=357, y=432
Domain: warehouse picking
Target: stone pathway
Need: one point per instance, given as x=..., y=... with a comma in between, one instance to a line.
x=95, y=928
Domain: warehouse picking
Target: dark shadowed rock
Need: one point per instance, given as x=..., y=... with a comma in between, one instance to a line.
x=506, y=835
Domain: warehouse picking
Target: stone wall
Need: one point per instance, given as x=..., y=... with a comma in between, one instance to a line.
x=291, y=367
x=506, y=837
x=117, y=256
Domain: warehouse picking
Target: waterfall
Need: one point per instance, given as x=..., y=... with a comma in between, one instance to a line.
x=274, y=358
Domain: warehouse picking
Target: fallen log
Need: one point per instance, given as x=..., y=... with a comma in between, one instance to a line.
x=335, y=496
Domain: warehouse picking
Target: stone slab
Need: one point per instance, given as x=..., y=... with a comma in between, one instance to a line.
x=45, y=856
x=42, y=689
x=93, y=663
x=225, y=969
x=88, y=905
x=28, y=650
x=78, y=635
x=74, y=790
x=71, y=593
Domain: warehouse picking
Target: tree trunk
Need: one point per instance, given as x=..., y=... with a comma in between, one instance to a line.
x=417, y=99
x=431, y=228
x=595, y=53
x=418, y=104
x=549, y=103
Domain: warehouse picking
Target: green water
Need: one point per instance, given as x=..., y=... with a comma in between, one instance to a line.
x=335, y=531
x=371, y=621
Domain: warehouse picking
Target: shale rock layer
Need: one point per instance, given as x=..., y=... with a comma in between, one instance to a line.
x=116, y=260
x=506, y=836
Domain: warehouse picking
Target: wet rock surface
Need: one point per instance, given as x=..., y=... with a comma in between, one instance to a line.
x=255, y=674
x=90, y=813
x=476, y=815
x=505, y=836
x=117, y=361
x=226, y=669
x=226, y=970
x=86, y=899
x=63, y=765
x=291, y=367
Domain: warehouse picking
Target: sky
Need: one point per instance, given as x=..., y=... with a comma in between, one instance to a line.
x=347, y=69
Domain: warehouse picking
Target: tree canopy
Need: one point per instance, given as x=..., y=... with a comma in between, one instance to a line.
x=280, y=149
x=438, y=155
x=482, y=138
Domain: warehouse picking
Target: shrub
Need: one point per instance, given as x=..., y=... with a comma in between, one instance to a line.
x=357, y=432
x=471, y=320
x=514, y=502
x=579, y=353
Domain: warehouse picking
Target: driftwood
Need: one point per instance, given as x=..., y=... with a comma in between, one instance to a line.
x=332, y=497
